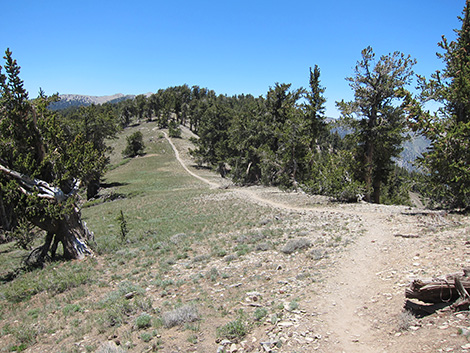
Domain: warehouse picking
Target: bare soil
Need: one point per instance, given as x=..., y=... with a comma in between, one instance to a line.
x=342, y=290
x=356, y=302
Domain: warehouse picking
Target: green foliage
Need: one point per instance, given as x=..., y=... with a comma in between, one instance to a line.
x=234, y=330
x=282, y=139
x=39, y=144
x=396, y=191
x=24, y=236
x=146, y=336
x=212, y=145
x=86, y=129
x=446, y=162
x=260, y=314
x=123, y=226
x=173, y=129
x=294, y=305
x=333, y=175
x=135, y=145
x=376, y=117
x=143, y=321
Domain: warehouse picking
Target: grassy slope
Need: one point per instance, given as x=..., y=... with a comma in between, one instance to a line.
x=75, y=306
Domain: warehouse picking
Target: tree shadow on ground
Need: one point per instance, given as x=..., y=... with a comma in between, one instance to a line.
x=112, y=185
x=423, y=310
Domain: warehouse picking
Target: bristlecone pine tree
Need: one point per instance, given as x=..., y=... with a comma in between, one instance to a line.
x=448, y=159
x=377, y=116
x=40, y=170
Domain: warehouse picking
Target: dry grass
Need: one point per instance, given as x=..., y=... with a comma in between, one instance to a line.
x=191, y=256
x=179, y=316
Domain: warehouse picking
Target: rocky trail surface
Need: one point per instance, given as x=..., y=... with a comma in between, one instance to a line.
x=356, y=303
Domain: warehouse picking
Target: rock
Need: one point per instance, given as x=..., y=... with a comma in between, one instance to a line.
x=264, y=222
x=233, y=348
x=269, y=345
x=253, y=294
x=222, y=345
x=130, y=295
x=285, y=324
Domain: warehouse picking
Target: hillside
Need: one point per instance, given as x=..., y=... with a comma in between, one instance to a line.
x=210, y=267
x=78, y=100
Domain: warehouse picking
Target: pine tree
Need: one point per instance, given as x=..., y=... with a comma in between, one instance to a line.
x=315, y=109
x=39, y=169
x=376, y=116
x=448, y=159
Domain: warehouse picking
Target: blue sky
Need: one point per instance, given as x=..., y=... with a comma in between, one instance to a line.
x=233, y=47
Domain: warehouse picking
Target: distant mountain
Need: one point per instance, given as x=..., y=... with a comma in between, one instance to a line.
x=412, y=148
x=78, y=100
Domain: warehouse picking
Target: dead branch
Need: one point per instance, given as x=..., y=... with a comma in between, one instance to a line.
x=442, y=290
x=463, y=303
x=44, y=190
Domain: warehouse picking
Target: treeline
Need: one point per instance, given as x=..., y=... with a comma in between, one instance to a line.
x=281, y=139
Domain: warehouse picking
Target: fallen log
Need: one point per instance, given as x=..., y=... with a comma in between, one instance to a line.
x=440, y=290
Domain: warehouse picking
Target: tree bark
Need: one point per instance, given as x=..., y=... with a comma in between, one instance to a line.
x=443, y=290
x=376, y=190
x=69, y=230
x=92, y=188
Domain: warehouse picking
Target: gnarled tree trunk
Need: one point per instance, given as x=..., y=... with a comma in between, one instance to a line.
x=69, y=230
x=442, y=290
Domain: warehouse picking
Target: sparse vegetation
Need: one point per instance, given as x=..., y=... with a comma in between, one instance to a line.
x=260, y=314
x=296, y=244
x=179, y=316
x=405, y=320
x=123, y=226
x=234, y=330
x=143, y=321
x=191, y=254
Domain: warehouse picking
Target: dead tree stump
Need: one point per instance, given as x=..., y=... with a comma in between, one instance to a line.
x=442, y=290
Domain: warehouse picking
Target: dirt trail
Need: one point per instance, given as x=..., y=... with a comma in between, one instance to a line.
x=353, y=286
x=350, y=287
x=178, y=158
x=356, y=294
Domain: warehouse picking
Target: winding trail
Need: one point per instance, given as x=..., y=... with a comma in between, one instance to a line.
x=178, y=158
x=352, y=281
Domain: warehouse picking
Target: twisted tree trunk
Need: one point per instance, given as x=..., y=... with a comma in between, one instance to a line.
x=69, y=229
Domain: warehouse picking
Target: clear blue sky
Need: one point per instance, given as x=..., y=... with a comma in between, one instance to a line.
x=131, y=47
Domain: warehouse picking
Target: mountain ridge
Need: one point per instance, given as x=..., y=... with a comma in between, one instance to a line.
x=81, y=100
